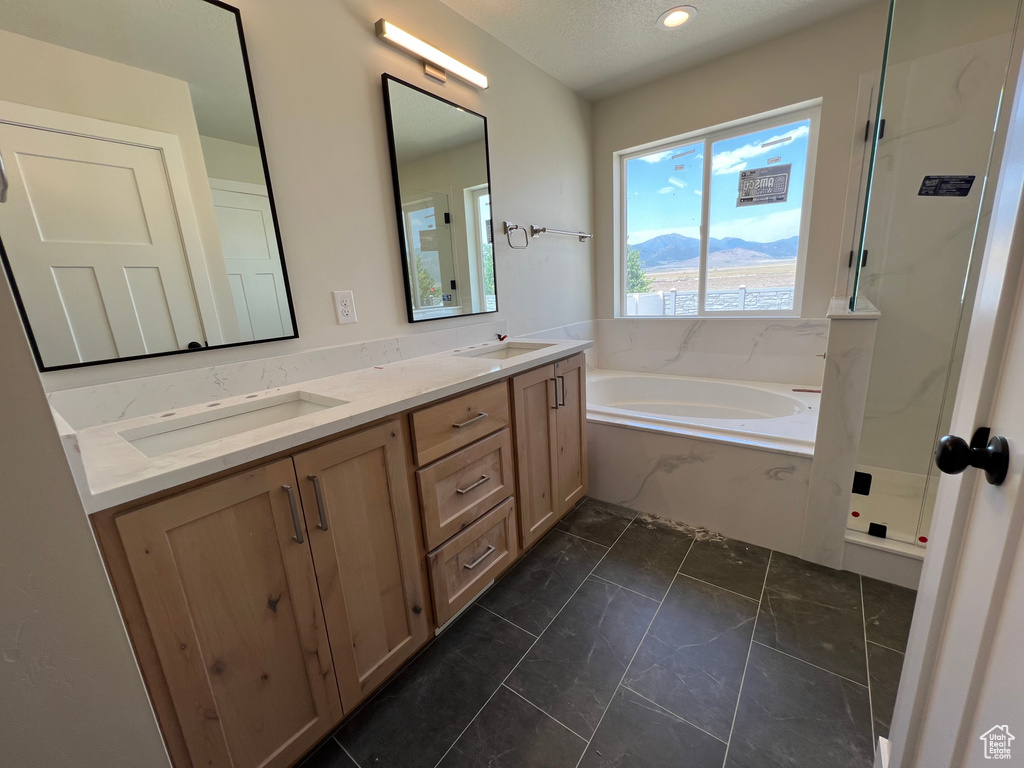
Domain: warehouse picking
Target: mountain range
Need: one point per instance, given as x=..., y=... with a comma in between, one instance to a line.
x=674, y=251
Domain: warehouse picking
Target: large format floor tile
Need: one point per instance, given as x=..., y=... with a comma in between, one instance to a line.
x=533, y=591
x=885, y=666
x=638, y=734
x=691, y=662
x=814, y=613
x=328, y=755
x=888, y=611
x=597, y=521
x=793, y=714
x=646, y=557
x=574, y=668
x=512, y=733
x=729, y=564
x=414, y=720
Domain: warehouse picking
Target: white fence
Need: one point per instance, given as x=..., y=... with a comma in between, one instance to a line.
x=685, y=302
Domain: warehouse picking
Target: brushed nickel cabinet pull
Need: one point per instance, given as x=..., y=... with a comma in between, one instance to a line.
x=561, y=380
x=484, y=556
x=319, y=502
x=474, y=420
x=483, y=479
x=296, y=520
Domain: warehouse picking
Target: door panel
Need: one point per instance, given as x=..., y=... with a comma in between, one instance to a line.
x=87, y=213
x=231, y=598
x=536, y=441
x=252, y=258
x=367, y=559
x=571, y=418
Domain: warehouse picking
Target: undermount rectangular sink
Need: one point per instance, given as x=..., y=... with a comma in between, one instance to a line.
x=175, y=434
x=507, y=350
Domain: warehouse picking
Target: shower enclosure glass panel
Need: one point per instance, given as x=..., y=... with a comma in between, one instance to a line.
x=924, y=224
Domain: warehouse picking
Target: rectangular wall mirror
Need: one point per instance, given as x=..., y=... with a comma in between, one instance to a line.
x=441, y=174
x=137, y=218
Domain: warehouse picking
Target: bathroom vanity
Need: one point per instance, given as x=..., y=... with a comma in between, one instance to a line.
x=325, y=531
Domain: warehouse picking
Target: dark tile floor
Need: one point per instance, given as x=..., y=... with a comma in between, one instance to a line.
x=622, y=641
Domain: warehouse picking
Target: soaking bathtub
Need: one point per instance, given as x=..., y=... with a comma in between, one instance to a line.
x=731, y=456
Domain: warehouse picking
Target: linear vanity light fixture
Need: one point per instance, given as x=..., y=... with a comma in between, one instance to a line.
x=442, y=63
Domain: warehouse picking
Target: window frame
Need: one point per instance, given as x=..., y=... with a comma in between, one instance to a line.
x=809, y=110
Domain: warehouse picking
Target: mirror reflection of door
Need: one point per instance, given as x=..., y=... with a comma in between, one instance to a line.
x=252, y=259
x=434, y=280
x=92, y=233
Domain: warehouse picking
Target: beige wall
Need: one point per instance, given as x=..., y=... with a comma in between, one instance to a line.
x=232, y=161
x=822, y=61
x=70, y=691
x=51, y=77
x=316, y=67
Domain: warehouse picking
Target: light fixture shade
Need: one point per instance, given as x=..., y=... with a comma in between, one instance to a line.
x=428, y=53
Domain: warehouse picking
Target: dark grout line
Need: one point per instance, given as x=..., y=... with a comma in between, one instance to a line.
x=743, y=678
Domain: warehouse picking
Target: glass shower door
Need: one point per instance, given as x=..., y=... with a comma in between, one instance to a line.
x=924, y=222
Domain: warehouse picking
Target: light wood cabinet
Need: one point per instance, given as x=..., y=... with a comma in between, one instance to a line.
x=227, y=586
x=355, y=496
x=571, y=419
x=549, y=405
x=536, y=438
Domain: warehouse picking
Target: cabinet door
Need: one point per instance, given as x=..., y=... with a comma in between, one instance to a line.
x=227, y=584
x=571, y=419
x=536, y=442
x=364, y=546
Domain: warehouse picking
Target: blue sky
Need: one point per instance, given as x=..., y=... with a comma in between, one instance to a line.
x=664, y=197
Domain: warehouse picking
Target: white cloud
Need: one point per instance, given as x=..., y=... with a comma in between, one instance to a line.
x=698, y=192
x=677, y=183
x=657, y=157
x=666, y=190
x=643, y=235
x=760, y=229
x=735, y=160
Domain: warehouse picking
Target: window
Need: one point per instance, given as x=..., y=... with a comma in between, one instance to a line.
x=718, y=238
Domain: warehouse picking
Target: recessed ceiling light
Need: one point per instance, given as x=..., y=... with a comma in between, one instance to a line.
x=676, y=17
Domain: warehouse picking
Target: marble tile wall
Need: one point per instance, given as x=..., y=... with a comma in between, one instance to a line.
x=781, y=350
x=104, y=403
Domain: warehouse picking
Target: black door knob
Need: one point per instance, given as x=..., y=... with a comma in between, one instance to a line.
x=953, y=455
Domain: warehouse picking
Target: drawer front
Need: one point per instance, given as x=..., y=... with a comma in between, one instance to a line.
x=448, y=426
x=463, y=566
x=458, y=489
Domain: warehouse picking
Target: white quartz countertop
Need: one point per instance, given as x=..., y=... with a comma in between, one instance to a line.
x=111, y=471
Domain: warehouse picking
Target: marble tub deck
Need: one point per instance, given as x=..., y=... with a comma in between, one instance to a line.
x=621, y=640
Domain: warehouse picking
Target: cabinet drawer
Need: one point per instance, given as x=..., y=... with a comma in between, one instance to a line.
x=448, y=426
x=458, y=489
x=463, y=566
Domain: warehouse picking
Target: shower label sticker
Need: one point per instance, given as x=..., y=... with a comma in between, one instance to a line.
x=946, y=186
x=760, y=186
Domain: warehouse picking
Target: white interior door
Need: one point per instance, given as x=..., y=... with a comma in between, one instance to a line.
x=962, y=676
x=92, y=236
x=252, y=257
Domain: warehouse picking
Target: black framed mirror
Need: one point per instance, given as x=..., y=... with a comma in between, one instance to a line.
x=138, y=218
x=440, y=166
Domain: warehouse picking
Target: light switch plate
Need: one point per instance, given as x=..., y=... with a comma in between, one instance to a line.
x=344, y=306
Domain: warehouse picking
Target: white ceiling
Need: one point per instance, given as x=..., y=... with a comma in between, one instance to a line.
x=600, y=47
x=190, y=40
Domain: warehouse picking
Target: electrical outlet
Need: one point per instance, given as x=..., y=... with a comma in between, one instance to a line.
x=344, y=306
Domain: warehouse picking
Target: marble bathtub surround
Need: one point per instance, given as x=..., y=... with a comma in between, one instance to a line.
x=109, y=470
x=622, y=679
x=87, y=406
